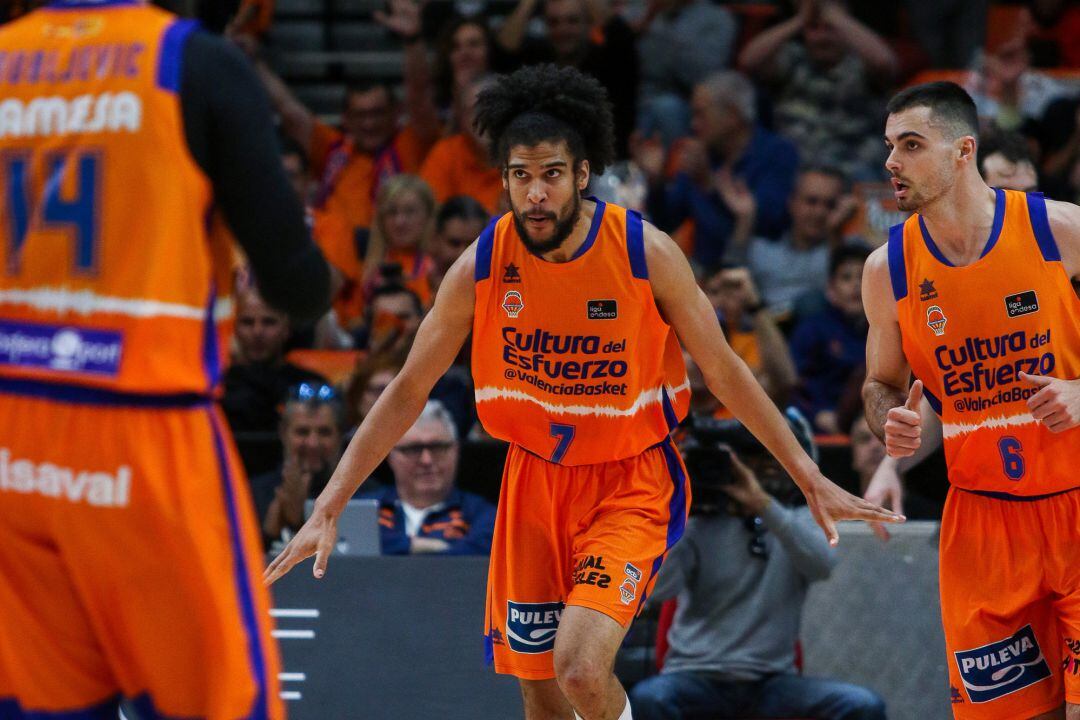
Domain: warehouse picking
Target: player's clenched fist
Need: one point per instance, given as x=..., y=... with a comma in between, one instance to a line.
x=903, y=425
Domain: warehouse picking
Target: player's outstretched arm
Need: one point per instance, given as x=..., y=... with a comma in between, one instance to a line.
x=688, y=311
x=437, y=343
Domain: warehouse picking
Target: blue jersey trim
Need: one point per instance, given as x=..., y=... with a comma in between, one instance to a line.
x=10, y=709
x=170, y=59
x=594, y=228
x=1040, y=225
x=931, y=398
x=90, y=4
x=211, y=363
x=80, y=395
x=245, y=595
x=485, y=246
x=635, y=245
x=897, y=265
x=995, y=231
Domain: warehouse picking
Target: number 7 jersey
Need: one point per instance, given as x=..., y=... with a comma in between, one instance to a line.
x=969, y=331
x=108, y=274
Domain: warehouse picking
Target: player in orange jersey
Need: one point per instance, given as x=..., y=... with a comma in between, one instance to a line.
x=574, y=306
x=972, y=294
x=129, y=567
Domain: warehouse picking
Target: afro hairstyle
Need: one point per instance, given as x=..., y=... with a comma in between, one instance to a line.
x=545, y=103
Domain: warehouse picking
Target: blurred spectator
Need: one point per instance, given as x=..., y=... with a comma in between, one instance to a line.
x=729, y=159
x=392, y=319
x=253, y=17
x=461, y=163
x=703, y=402
x=867, y=452
x=1056, y=31
x=371, y=377
x=259, y=377
x=741, y=574
x=1005, y=162
x=351, y=164
x=459, y=222
x=1059, y=137
x=588, y=35
x=827, y=73
x=798, y=262
x=464, y=52
x=949, y=31
x=680, y=43
x=751, y=330
x=1006, y=90
x=424, y=512
x=400, y=234
x=310, y=432
x=829, y=346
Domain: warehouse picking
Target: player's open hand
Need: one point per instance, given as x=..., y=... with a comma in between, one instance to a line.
x=316, y=537
x=903, y=425
x=1057, y=404
x=829, y=503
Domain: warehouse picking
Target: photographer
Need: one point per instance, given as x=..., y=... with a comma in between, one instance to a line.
x=741, y=574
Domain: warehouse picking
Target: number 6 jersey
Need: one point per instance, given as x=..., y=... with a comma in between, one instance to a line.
x=969, y=331
x=108, y=274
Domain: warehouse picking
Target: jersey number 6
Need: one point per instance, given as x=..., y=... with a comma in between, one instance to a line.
x=1011, y=459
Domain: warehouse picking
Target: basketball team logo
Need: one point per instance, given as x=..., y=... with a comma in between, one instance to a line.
x=936, y=320
x=512, y=303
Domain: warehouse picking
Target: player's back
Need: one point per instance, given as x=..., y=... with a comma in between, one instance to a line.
x=108, y=275
x=573, y=360
x=969, y=331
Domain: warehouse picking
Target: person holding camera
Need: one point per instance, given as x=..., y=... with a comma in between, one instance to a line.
x=741, y=574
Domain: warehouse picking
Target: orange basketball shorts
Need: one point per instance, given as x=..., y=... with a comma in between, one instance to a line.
x=1010, y=603
x=587, y=535
x=130, y=563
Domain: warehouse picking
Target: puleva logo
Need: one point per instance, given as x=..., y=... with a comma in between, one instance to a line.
x=531, y=627
x=936, y=320
x=512, y=303
x=1002, y=667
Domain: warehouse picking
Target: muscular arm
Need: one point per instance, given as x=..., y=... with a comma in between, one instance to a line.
x=440, y=337
x=512, y=33
x=688, y=311
x=887, y=370
x=228, y=130
x=1065, y=225
x=759, y=56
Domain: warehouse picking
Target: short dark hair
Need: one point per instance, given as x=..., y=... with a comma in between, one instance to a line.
x=948, y=102
x=826, y=170
x=460, y=207
x=546, y=103
x=855, y=252
x=395, y=287
x=1012, y=146
x=360, y=87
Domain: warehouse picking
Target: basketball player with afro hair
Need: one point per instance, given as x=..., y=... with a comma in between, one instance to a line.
x=577, y=309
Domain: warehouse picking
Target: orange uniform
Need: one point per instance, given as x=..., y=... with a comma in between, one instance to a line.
x=454, y=166
x=1010, y=590
x=575, y=367
x=130, y=565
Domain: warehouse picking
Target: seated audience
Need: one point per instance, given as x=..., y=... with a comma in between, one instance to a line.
x=1005, y=162
x=400, y=234
x=740, y=574
x=728, y=146
x=465, y=50
x=459, y=222
x=310, y=432
x=390, y=321
x=831, y=345
x=461, y=163
x=259, y=377
x=424, y=512
x=828, y=74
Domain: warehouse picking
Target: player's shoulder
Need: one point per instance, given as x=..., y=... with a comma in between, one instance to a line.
x=660, y=249
x=1064, y=219
x=878, y=260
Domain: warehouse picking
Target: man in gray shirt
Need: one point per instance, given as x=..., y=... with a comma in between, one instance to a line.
x=741, y=574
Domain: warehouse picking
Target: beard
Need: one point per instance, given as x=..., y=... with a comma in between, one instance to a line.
x=563, y=228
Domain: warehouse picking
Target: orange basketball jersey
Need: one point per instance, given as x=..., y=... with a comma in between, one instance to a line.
x=969, y=331
x=572, y=360
x=108, y=273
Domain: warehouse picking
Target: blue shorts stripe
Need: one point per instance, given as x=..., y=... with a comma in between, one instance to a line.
x=243, y=585
x=676, y=507
x=108, y=710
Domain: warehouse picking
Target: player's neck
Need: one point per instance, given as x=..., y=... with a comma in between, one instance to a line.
x=960, y=220
x=577, y=237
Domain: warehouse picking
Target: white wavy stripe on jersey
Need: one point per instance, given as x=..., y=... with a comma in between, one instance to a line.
x=950, y=430
x=86, y=302
x=649, y=397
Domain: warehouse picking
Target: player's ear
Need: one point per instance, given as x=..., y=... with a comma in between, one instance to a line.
x=582, y=175
x=968, y=147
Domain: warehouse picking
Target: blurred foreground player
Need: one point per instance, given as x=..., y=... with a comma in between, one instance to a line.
x=574, y=306
x=130, y=554
x=973, y=295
